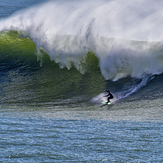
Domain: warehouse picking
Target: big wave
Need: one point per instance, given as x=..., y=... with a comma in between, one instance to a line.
x=126, y=37
x=67, y=30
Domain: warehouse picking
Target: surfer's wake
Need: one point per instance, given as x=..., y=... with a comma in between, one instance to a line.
x=100, y=99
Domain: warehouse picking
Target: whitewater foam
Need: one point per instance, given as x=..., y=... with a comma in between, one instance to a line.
x=68, y=29
x=125, y=92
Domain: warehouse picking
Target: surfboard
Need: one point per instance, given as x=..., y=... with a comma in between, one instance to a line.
x=106, y=104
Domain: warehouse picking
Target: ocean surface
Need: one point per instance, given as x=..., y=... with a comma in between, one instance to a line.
x=56, y=59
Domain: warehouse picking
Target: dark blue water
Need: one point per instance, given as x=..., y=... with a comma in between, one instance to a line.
x=8, y=7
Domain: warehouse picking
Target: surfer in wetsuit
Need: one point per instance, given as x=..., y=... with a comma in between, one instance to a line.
x=109, y=95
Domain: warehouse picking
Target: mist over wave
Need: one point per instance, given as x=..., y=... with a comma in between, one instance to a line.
x=122, y=34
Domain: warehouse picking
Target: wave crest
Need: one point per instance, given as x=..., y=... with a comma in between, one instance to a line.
x=68, y=30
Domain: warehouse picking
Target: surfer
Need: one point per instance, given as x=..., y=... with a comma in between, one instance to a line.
x=110, y=96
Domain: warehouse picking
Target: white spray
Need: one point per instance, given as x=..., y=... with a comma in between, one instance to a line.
x=68, y=29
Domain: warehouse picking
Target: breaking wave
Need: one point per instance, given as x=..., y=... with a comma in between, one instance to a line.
x=109, y=40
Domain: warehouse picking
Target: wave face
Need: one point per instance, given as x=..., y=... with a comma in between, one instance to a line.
x=111, y=40
x=31, y=79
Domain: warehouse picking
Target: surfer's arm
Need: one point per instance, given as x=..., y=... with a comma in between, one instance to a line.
x=106, y=96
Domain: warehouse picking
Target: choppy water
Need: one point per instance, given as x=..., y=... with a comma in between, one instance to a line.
x=90, y=135
x=54, y=68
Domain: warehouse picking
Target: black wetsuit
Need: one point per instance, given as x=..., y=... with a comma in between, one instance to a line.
x=110, y=96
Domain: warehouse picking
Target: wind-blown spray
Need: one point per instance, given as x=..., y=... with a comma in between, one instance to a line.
x=120, y=33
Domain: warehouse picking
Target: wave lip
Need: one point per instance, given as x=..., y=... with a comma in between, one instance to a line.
x=136, y=20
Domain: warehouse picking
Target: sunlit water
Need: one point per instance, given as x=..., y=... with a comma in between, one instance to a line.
x=82, y=134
